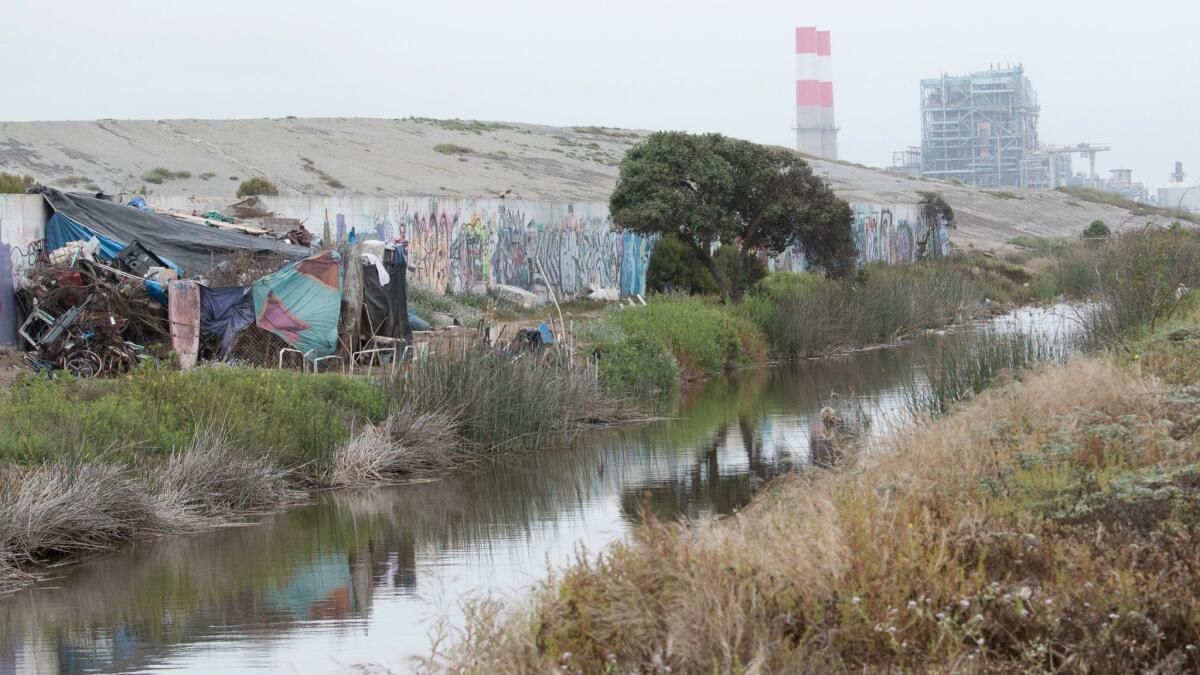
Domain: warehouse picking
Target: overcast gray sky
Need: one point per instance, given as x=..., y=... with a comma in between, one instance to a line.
x=1126, y=73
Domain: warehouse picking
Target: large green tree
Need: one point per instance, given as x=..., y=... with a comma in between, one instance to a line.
x=709, y=189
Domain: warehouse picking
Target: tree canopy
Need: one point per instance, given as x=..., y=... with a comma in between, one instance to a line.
x=709, y=189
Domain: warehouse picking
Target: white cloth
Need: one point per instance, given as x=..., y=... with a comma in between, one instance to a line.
x=372, y=259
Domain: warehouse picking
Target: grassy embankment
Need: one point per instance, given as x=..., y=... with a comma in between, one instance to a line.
x=1049, y=523
x=644, y=350
x=88, y=465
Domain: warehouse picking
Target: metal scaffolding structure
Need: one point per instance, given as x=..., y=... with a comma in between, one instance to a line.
x=982, y=129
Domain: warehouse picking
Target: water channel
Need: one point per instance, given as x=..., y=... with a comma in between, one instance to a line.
x=365, y=576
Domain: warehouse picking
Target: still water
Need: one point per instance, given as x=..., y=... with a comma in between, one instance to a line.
x=366, y=576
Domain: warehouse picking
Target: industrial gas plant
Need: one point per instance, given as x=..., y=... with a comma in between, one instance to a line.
x=979, y=129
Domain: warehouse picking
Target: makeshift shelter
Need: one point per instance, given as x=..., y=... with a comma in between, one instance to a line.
x=301, y=303
x=385, y=296
x=187, y=246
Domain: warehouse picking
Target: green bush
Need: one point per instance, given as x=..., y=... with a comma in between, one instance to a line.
x=704, y=337
x=11, y=183
x=256, y=186
x=158, y=174
x=629, y=366
x=1096, y=230
x=674, y=266
x=452, y=149
x=741, y=276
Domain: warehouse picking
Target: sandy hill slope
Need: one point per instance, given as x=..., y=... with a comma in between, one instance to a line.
x=208, y=158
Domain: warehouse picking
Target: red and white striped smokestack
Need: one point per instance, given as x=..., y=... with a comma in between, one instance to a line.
x=825, y=69
x=808, y=92
x=815, y=128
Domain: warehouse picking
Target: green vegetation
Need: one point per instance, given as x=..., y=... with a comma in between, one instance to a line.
x=804, y=315
x=207, y=175
x=1039, y=245
x=12, y=184
x=498, y=403
x=470, y=126
x=452, y=149
x=158, y=175
x=675, y=266
x=606, y=131
x=328, y=180
x=706, y=338
x=256, y=186
x=150, y=412
x=1119, y=201
x=629, y=366
x=758, y=198
x=1096, y=230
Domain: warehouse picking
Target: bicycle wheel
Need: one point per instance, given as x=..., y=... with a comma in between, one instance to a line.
x=85, y=364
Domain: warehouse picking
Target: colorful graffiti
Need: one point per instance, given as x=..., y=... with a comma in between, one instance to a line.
x=882, y=234
x=464, y=245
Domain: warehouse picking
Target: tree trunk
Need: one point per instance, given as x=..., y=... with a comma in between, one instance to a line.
x=718, y=275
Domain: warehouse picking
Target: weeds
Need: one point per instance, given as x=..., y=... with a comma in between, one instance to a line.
x=452, y=149
x=158, y=175
x=499, y=402
x=885, y=304
x=704, y=337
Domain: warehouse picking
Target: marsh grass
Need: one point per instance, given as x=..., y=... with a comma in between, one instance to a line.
x=886, y=304
x=969, y=362
x=498, y=401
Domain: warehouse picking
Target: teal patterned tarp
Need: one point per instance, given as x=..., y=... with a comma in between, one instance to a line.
x=301, y=303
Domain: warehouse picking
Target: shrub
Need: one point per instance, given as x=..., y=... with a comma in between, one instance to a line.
x=452, y=149
x=1096, y=230
x=674, y=266
x=629, y=366
x=10, y=183
x=742, y=271
x=256, y=186
x=705, y=338
x=158, y=174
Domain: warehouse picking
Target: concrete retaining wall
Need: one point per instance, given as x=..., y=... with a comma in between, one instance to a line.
x=467, y=245
x=22, y=222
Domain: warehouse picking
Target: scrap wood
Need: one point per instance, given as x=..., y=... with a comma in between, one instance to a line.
x=200, y=220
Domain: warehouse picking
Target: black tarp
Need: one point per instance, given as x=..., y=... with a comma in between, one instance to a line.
x=225, y=312
x=386, y=307
x=194, y=247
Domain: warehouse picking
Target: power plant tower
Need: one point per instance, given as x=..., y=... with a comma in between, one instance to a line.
x=816, y=129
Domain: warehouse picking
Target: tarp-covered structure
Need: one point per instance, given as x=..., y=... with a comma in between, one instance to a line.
x=192, y=247
x=302, y=303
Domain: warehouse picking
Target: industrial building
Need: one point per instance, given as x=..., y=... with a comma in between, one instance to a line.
x=816, y=130
x=1179, y=194
x=982, y=129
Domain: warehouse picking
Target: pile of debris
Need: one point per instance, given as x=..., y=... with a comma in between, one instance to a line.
x=109, y=287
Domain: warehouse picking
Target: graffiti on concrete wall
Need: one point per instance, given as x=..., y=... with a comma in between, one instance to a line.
x=464, y=245
x=883, y=234
x=8, y=315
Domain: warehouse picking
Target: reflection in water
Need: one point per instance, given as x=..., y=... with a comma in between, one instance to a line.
x=363, y=576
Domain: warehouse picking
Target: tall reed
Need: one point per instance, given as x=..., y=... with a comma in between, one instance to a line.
x=500, y=401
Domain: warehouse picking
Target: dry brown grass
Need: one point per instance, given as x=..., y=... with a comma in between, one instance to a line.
x=407, y=444
x=962, y=548
x=73, y=507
